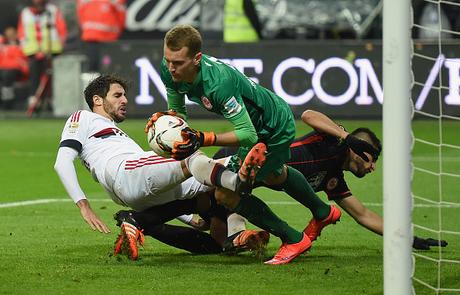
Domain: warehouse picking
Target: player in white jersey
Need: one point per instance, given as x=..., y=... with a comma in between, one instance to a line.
x=131, y=176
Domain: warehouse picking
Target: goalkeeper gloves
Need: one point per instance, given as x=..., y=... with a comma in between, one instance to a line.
x=425, y=244
x=193, y=140
x=155, y=117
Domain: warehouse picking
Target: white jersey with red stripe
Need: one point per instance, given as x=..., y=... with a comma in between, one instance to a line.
x=100, y=140
x=131, y=176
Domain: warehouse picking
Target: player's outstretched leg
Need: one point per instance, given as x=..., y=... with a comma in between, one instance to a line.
x=252, y=163
x=246, y=240
x=314, y=227
x=129, y=236
x=287, y=252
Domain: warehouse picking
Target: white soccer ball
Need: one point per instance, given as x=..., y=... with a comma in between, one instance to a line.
x=162, y=135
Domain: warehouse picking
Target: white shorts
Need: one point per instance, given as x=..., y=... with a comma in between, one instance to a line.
x=145, y=180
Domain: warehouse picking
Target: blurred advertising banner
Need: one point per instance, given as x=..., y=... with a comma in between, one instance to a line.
x=342, y=79
x=147, y=19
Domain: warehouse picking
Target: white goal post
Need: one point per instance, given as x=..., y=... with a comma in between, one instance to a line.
x=396, y=147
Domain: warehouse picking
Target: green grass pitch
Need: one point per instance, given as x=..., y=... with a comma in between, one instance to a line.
x=48, y=249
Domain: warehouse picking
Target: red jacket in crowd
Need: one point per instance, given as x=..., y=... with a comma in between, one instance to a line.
x=12, y=58
x=101, y=20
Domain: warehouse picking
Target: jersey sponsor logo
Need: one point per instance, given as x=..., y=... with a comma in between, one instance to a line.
x=332, y=183
x=315, y=180
x=206, y=102
x=107, y=132
x=232, y=107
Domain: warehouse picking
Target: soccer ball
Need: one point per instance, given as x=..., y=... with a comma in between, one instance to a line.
x=162, y=135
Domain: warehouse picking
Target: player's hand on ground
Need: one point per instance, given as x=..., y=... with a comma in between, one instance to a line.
x=360, y=146
x=426, y=244
x=155, y=117
x=91, y=218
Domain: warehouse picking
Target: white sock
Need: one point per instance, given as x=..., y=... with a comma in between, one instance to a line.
x=235, y=223
x=210, y=172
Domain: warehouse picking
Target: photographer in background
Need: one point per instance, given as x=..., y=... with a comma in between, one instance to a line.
x=42, y=33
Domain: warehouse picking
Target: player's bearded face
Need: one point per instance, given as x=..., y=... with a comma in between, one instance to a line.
x=183, y=68
x=115, y=103
x=359, y=167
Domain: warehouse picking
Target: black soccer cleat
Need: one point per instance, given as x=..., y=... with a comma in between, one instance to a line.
x=125, y=216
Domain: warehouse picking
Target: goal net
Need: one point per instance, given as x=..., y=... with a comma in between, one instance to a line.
x=436, y=144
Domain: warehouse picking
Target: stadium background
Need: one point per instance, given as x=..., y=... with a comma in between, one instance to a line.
x=322, y=59
x=46, y=247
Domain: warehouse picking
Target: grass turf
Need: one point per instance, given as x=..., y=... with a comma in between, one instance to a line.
x=48, y=249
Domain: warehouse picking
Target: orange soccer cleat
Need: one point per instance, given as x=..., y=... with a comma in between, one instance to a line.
x=127, y=240
x=247, y=240
x=314, y=227
x=254, y=160
x=288, y=252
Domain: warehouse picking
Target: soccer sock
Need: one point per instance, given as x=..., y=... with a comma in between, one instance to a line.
x=210, y=172
x=259, y=214
x=298, y=188
x=185, y=238
x=164, y=213
x=235, y=223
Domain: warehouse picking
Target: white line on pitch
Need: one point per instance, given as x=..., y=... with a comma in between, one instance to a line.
x=47, y=201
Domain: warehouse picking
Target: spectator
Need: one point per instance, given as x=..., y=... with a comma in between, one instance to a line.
x=13, y=66
x=101, y=21
x=42, y=33
x=241, y=22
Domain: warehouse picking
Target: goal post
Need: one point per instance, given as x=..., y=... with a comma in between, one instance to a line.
x=397, y=139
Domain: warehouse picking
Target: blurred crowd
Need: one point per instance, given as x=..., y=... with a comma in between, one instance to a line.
x=35, y=31
x=27, y=50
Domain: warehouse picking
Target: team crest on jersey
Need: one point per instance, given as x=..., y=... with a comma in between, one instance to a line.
x=206, y=102
x=232, y=107
x=315, y=180
x=332, y=183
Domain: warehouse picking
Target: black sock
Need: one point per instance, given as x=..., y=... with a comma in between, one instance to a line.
x=185, y=238
x=163, y=213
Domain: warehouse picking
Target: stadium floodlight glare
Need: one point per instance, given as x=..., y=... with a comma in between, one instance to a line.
x=396, y=149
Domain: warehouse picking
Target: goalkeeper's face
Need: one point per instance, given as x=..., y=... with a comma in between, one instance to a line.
x=182, y=66
x=358, y=166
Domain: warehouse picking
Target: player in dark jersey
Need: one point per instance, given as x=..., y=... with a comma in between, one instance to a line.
x=322, y=157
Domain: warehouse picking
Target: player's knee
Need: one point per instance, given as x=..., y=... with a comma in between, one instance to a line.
x=201, y=167
x=273, y=179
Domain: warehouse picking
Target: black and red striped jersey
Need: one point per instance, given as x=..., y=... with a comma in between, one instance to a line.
x=320, y=157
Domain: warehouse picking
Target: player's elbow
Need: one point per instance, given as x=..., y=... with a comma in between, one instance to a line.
x=58, y=166
x=308, y=116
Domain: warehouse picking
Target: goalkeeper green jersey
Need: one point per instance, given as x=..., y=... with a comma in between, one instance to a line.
x=251, y=108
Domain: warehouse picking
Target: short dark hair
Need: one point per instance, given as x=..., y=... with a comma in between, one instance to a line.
x=369, y=136
x=100, y=86
x=184, y=36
